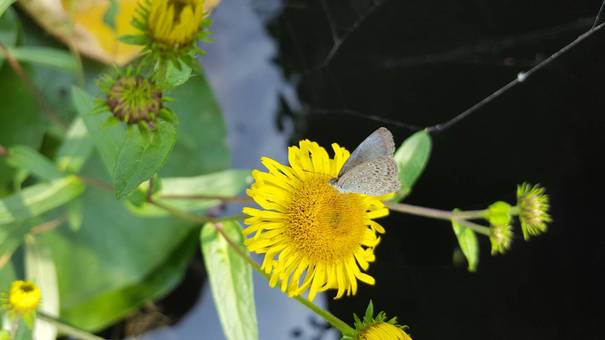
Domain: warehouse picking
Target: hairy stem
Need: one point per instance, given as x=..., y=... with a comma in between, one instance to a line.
x=435, y=213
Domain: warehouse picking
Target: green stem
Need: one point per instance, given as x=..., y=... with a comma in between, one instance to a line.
x=240, y=199
x=66, y=329
x=196, y=218
x=475, y=227
x=342, y=326
x=435, y=213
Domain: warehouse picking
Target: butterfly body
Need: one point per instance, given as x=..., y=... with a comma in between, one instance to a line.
x=371, y=169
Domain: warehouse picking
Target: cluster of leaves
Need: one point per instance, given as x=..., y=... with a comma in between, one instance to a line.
x=106, y=257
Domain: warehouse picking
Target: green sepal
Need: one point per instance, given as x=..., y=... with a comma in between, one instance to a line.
x=499, y=213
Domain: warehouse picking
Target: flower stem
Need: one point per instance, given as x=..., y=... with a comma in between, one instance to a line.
x=195, y=218
x=475, y=227
x=435, y=213
x=66, y=329
x=239, y=199
x=342, y=326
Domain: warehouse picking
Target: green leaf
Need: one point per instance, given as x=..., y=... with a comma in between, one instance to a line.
x=142, y=155
x=26, y=158
x=20, y=120
x=8, y=25
x=202, y=136
x=41, y=270
x=76, y=147
x=18, y=211
x=116, y=262
x=131, y=154
x=4, y=5
x=176, y=76
x=24, y=331
x=411, y=158
x=38, y=199
x=225, y=183
x=59, y=59
x=112, y=305
x=467, y=240
x=230, y=281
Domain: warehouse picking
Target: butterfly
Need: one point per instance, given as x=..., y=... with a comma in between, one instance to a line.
x=371, y=169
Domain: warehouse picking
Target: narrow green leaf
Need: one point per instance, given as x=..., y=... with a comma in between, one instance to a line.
x=40, y=268
x=76, y=147
x=230, y=281
x=467, y=240
x=45, y=56
x=411, y=158
x=26, y=158
x=225, y=183
x=38, y=199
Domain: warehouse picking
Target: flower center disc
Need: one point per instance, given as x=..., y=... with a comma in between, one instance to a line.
x=324, y=223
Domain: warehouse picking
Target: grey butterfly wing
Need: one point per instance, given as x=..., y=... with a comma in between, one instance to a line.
x=375, y=178
x=379, y=143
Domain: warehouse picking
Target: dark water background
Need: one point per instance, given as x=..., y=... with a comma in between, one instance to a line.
x=422, y=62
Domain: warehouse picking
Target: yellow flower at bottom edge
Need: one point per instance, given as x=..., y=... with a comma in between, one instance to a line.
x=314, y=237
x=23, y=298
x=383, y=331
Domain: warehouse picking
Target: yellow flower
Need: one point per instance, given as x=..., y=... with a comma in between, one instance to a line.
x=23, y=298
x=383, y=331
x=532, y=204
x=175, y=22
x=314, y=237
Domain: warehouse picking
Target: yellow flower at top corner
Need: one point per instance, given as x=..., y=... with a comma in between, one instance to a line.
x=81, y=24
x=175, y=22
x=314, y=237
x=23, y=298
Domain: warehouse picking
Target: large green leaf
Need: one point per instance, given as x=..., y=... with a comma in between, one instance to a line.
x=467, y=240
x=230, y=281
x=20, y=119
x=112, y=250
x=131, y=154
x=112, y=305
x=202, y=135
x=411, y=158
x=221, y=184
x=116, y=261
